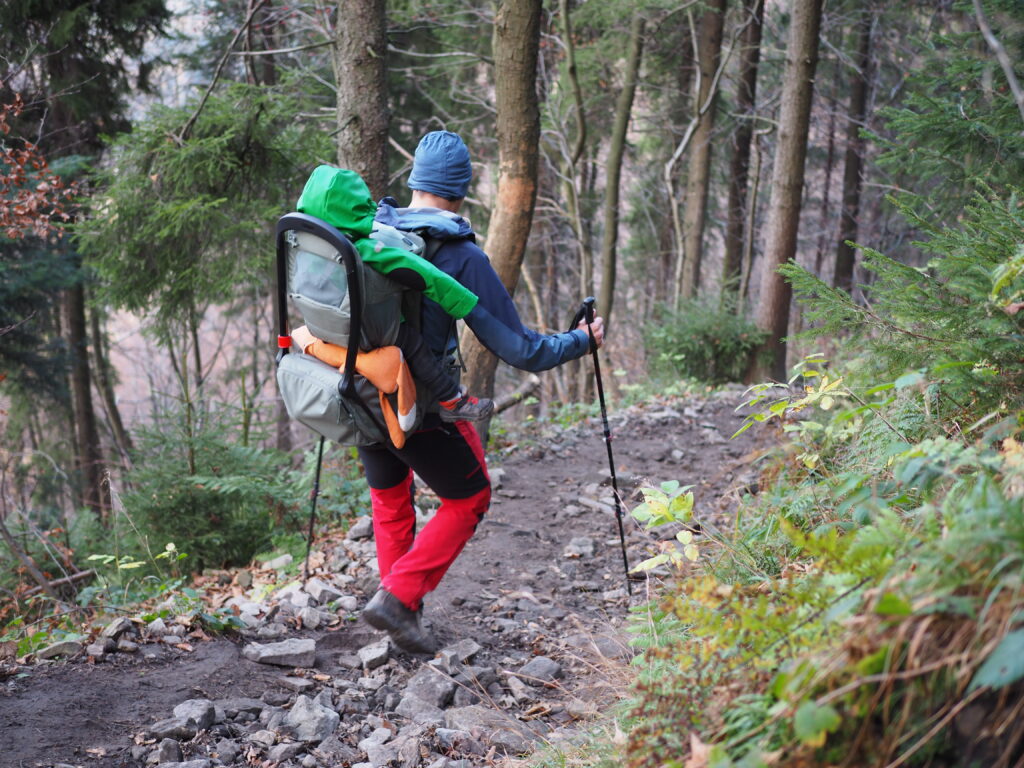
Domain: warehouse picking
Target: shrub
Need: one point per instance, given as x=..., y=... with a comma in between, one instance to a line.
x=704, y=339
x=196, y=485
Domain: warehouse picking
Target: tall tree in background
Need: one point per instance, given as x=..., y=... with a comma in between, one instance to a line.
x=746, y=97
x=70, y=62
x=360, y=75
x=852, y=172
x=787, y=187
x=516, y=45
x=613, y=164
x=708, y=51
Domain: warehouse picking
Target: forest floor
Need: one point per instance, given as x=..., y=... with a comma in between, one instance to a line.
x=541, y=579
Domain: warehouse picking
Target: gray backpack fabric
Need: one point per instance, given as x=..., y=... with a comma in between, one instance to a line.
x=318, y=288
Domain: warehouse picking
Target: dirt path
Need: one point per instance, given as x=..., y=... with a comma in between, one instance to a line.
x=515, y=592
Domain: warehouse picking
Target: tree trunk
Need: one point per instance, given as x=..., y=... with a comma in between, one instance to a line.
x=516, y=45
x=360, y=47
x=105, y=386
x=94, y=492
x=787, y=187
x=709, y=48
x=616, y=150
x=843, y=275
x=739, y=171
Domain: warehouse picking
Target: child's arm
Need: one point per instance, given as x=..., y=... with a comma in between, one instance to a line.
x=417, y=273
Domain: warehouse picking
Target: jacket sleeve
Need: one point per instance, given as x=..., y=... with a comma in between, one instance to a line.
x=411, y=271
x=495, y=322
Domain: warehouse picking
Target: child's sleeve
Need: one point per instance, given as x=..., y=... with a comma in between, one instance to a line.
x=417, y=273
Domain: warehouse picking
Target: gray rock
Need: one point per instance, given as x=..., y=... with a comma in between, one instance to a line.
x=519, y=690
x=264, y=737
x=238, y=704
x=172, y=728
x=127, y=646
x=272, y=631
x=431, y=686
x=157, y=627
x=334, y=751
x=200, y=763
x=279, y=563
x=311, y=617
x=169, y=751
x=491, y=726
x=297, y=684
x=226, y=751
x=198, y=711
x=460, y=652
x=283, y=752
x=116, y=628
x=347, y=603
x=579, y=546
x=309, y=762
x=419, y=711
x=348, y=661
x=96, y=650
x=540, y=670
x=296, y=652
x=460, y=741
x=321, y=591
x=374, y=654
x=63, y=648
x=362, y=528
x=311, y=721
x=497, y=476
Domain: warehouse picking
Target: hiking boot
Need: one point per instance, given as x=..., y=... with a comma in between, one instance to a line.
x=387, y=612
x=465, y=407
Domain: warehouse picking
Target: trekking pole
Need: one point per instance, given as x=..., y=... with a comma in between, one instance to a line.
x=312, y=508
x=586, y=312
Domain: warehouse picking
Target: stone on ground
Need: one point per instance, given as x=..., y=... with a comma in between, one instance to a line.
x=419, y=711
x=198, y=711
x=63, y=648
x=296, y=652
x=374, y=654
x=540, y=670
x=431, y=686
x=311, y=721
x=492, y=727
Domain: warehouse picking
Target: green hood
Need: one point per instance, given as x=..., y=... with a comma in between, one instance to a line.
x=341, y=198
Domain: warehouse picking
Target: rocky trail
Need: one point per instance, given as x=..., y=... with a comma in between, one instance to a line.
x=531, y=619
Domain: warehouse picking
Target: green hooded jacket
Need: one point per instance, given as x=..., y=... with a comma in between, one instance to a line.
x=341, y=198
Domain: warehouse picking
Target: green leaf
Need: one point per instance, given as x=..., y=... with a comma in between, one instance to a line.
x=812, y=723
x=893, y=605
x=1004, y=665
x=652, y=562
x=670, y=486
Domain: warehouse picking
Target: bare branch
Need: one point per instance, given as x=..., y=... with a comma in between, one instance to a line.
x=1001, y=55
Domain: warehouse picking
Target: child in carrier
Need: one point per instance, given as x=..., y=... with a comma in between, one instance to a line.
x=341, y=198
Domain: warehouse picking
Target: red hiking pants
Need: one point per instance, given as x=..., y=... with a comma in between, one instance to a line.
x=450, y=459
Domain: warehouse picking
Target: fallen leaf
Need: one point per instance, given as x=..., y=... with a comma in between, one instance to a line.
x=699, y=753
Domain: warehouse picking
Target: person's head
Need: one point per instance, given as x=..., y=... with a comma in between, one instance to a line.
x=441, y=168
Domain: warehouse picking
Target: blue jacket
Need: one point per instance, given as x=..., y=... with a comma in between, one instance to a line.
x=494, y=320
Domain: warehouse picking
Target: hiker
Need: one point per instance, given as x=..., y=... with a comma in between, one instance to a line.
x=447, y=457
x=341, y=198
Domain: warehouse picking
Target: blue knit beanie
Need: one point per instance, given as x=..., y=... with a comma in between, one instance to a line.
x=441, y=166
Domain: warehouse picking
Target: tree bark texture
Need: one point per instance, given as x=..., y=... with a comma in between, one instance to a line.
x=709, y=49
x=613, y=165
x=93, y=490
x=739, y=170
x=516, y=45
x=360, y=47
x=787, y=187
x=854, y=163
x=105, y=386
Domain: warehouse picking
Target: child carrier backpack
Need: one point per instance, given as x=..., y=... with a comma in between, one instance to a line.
x=345, y=303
